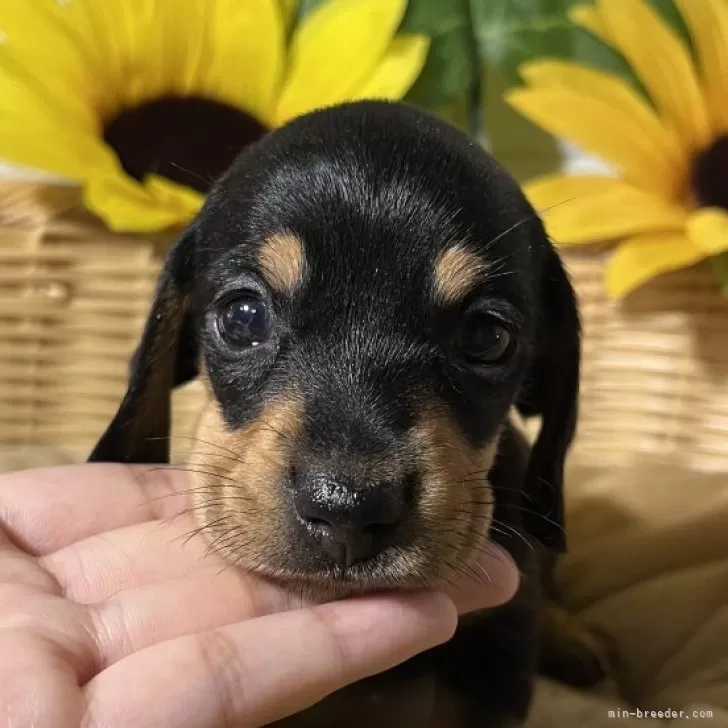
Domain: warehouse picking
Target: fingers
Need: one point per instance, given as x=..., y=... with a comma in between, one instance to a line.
x=18, y=568
x=61, y=628
x=46, y=509
x=130, y=618
x=98, y=567
x=37, y=688
x=254, y=672
x=492, y=580
x=135, y=619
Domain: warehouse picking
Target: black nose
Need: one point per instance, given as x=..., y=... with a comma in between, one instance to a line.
x=349, y=520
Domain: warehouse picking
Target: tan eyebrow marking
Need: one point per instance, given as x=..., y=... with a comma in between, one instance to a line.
x=457, y=270
x=282, y=261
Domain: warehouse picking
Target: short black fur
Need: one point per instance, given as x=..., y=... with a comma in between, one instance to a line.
x=377, y=191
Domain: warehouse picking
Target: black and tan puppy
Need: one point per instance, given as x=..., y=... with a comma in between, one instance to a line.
x=368, y=295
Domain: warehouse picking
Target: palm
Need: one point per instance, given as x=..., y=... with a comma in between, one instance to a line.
x=108, y=595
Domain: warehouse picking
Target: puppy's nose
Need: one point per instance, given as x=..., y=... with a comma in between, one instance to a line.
x=349, y=521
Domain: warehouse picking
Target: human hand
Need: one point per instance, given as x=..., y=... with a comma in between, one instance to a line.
x=114, y=612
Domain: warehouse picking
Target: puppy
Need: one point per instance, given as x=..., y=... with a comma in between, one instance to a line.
x=367, y=296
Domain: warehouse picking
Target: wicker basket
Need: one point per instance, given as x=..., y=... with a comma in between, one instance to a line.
x=74, y=296
x=655, y=370
x=73, y=299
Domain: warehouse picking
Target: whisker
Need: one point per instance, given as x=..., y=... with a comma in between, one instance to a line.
x=197, y=531
x=508, y=230
x=223, y=540
x=212, y=489
x=514, y=532
x=199, y=471
x=545, y=210
x=194, y=438
x=539, y=515
x=194, y=174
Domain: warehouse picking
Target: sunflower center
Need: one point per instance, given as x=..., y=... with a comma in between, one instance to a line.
x=710, y=174
x=188, y=140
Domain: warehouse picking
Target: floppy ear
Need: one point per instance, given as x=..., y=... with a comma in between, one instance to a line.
x=552, y=392
x=166, y=357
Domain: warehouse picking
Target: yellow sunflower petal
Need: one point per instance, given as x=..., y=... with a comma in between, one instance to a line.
x=30, y=90
x=174, y=195
x=55, y=150
x=614, y=92
x=601, y=129
x=644, y=257
x=708, y=230
x=139, y=31
x=663, y=64
x=92, y=31
x=588, y=18
x=397, y=71
x=593, y=209
x=335, y=51
x=101, y=23
x=160, y=46
x=198, y=50
x=127, y=206
x=246, y=68
x=27, y=27
x=708, y=23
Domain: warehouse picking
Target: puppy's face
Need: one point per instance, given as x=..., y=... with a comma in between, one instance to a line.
x=364, y=293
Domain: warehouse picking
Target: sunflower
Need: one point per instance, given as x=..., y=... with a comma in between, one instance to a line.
x=667, y=203
x=145, y=102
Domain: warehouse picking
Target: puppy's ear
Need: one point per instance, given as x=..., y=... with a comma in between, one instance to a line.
x=552, y=392
x=165, y=358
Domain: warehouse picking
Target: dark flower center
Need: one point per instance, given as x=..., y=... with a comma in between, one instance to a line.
x=185, y=139
x=710, y=175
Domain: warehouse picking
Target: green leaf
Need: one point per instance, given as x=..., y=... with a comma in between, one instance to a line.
x=509, y=32
x=448, y=73
x=452, y=67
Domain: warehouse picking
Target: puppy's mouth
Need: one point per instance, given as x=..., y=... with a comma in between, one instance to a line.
x=383, y=573
x=333, y=526
x=322, y=566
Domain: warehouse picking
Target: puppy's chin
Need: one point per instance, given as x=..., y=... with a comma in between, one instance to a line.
x=429, y=563
x=341, y=584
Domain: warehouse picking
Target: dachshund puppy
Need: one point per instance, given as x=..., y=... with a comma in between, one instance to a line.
x=368, y=296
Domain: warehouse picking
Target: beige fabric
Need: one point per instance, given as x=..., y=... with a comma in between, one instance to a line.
x=648, y=566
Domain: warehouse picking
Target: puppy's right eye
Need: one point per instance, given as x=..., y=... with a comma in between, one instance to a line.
x=245, y=321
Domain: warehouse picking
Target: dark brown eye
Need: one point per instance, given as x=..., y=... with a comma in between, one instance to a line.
x=245, y=322
x=485, y=339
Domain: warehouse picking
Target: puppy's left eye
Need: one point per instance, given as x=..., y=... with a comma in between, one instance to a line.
x=485, y=339
x=246, y=321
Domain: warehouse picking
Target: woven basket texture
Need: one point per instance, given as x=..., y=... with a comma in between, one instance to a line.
x=655, y=369
x=74, y=297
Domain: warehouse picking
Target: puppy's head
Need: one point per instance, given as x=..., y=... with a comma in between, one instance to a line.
x=366, y=294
